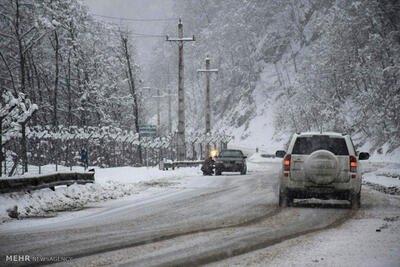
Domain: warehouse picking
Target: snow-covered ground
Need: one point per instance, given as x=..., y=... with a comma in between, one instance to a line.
x=370, y=238
x=388, y=176
x=111, y=183
x=114, y=183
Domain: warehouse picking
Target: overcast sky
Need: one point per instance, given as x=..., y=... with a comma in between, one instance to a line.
x=137, y=9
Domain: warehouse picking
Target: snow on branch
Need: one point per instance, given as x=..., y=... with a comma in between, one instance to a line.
x=13, y=112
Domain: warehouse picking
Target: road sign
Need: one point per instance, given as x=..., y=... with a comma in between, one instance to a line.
x=148, y=130
x=84, y=158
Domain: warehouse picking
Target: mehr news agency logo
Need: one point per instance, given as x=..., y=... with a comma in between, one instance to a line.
x=29, y=258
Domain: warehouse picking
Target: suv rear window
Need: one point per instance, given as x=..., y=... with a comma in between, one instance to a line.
x=231, y=153
x=307, y=145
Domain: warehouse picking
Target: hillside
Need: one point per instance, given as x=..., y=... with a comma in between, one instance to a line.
x=294, y=66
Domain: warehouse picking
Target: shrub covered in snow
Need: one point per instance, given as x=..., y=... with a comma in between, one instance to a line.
x=46, y=202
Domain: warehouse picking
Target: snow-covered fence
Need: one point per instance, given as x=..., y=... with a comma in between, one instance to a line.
x=45, y=181
x=106, y=147
x=197, y=143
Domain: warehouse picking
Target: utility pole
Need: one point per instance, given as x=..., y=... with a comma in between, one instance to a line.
x=181, y=94
x=158, y=109
x=169, y=111
x=208, y=73
x=169, y=97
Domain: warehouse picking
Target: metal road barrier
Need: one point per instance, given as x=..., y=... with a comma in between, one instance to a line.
x=15, y=184
x=177, y=164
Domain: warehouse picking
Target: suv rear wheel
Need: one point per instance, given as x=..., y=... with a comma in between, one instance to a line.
x=285, y=200
x=355, y=200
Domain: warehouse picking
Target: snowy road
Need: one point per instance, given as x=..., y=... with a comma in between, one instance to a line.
x=199, y=222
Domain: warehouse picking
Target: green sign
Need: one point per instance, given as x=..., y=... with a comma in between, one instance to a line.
x=148, y=130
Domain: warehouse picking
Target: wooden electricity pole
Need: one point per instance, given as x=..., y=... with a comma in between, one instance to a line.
x=169, y=104
x=169, y=111
x=158, y=110
x=181, y=149
x=208, y=72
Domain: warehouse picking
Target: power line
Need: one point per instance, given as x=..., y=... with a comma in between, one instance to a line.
x=135, y=34
x=136, y=19
x=144, y=34
x=132, y=34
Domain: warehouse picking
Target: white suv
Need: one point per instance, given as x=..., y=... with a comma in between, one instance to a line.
x=320, y=165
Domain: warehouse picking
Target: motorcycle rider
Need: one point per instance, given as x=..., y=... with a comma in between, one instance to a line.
x=208, y=166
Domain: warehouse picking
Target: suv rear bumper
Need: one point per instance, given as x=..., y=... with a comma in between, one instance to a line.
x=308, y=189
x=320, y=193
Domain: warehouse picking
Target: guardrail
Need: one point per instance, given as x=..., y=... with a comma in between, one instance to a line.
x=177, y=164
x=15, y=184
x=268, y=156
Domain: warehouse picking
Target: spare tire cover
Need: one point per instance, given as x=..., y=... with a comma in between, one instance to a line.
x=321, y=167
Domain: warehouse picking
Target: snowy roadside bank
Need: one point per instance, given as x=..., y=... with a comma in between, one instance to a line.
x=45, y=202
x=111, y=183
x=385, y=179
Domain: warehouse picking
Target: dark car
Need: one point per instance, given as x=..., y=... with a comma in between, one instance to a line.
x=230, y=160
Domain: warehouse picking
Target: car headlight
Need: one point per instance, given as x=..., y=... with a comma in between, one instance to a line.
x=238, y=162
x=213, y=153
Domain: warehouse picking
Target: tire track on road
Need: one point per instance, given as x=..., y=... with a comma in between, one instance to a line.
x=238, y=246
x=159, y=238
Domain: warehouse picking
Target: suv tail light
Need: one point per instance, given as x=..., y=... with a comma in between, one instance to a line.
x=353, y=164
x=286, y=162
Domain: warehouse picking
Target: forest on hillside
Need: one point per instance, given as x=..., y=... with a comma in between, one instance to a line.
x=73, y=67
x=336, y=64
